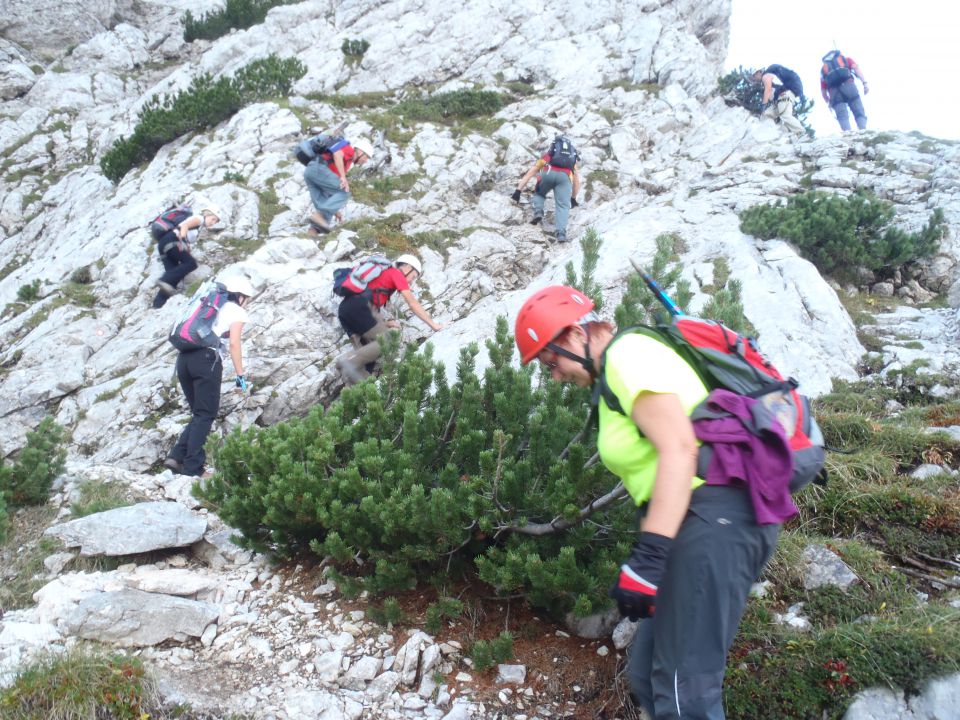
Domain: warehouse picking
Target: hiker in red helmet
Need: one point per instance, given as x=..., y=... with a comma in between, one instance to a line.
x=839, y=89
x=699, y=548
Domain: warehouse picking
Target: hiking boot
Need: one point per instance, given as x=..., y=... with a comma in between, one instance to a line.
x=173, y=464
x=318, y=224
x=350, y=373
x=562, y=237
x=536, y=219
x=166, y=288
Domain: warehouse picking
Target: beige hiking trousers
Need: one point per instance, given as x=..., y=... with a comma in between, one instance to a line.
x=353, y=364
x=782, y=108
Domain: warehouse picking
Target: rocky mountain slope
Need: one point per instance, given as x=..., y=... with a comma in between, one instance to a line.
x=631, y=82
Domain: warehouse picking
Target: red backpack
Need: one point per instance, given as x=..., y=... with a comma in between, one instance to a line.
x=725, y=359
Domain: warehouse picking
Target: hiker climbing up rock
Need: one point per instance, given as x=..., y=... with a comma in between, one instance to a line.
x=207, y=331
x=839, y=89
x=365, y=289
x=175, y=231
x=779, y=98
x=557, y=171
x=328, y=160
x=702, y=542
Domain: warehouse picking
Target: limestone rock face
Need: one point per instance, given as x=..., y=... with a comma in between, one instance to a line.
x=48, y=29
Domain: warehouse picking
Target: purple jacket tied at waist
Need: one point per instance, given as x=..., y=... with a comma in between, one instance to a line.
x=744, y=444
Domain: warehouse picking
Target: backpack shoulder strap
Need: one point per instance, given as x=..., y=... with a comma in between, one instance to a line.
x=601, y=389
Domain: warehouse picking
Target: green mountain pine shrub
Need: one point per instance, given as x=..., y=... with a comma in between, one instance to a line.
x=203, y=105
x=240, y=14
x=28, y=480
x=839, y=234
x=410, y=471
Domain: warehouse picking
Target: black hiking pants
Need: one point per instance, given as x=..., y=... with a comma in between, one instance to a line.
x=199, y=373
x=177, y=264
x=678, y=657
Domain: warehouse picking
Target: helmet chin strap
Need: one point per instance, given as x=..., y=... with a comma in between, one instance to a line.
x=585, y=361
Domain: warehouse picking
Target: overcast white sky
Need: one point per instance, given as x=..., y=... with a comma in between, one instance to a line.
x=908, y=51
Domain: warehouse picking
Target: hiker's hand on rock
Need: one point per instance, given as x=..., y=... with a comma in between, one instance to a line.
x=393, y=324
x=344, y=184
x=436, y=327
x=338, y=215
x=516, y=196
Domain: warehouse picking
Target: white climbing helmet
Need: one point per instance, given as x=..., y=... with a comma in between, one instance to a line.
x=411, y=260
x=239, y=284
x=364, y=146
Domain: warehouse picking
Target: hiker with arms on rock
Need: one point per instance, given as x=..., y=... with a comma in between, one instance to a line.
x=778, y=99
x=360, y=310
x=839, y=89
x=700, y=546
x=200, y=373
x=326, y=178
x=558, y=171
x=174, y=232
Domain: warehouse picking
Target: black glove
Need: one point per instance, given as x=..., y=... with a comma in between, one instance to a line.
x=516, y=196
x=764, y=106
x=574, y=203
x=636, y=589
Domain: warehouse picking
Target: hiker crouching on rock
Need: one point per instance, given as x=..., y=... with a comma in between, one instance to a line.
x=559, y=172
x=174, y=247
x=326, y=178
x=360, y=315
x=700, y=546
x=200, y=373
x=778, y=99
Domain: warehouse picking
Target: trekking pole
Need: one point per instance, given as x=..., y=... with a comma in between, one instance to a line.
x=658, y=292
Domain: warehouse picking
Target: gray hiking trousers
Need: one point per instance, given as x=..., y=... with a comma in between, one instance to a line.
x=562, y=186
x=356, y=364
x=844, y=95
x=678, y=657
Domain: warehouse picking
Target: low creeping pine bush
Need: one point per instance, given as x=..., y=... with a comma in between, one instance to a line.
x=839, y=234
x=27, y=481
x=239, y=14
x=204, y=104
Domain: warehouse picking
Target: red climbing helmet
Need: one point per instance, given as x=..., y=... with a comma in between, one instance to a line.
x=544, y=316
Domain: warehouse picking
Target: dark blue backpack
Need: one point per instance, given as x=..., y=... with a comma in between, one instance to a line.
x=563, y=154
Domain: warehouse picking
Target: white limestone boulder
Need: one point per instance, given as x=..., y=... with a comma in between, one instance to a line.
x=132, y=618
x=129, y=530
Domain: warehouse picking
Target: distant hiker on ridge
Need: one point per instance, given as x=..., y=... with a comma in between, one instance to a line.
x=840, y=90
x=326, y=178
x=778, y=99
x=559, y=172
